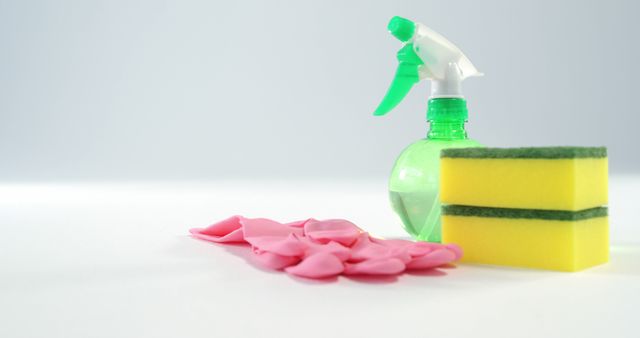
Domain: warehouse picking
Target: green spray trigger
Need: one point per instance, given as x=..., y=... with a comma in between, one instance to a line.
x=407, y=73
x=406, y=76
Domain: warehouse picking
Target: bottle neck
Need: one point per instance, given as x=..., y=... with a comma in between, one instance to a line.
x=447, y=130
x=447, y=117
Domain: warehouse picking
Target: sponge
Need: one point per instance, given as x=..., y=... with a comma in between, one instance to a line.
x=528, y=207
x=549, y=178
x=542, y=239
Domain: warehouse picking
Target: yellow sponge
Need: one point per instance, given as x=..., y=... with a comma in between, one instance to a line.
x=551, y=178
x=555, y=240
x=528, y=207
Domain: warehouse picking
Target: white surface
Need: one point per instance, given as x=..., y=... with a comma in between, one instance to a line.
x=101, y=260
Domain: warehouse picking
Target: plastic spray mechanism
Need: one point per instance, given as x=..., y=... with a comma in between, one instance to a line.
x=425, y=55
x=414, y=182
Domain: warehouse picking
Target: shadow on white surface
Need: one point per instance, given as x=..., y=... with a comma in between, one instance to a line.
x=465, y=276
x=624, y=260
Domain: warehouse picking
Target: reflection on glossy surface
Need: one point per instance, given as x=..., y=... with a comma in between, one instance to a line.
x=414, y=186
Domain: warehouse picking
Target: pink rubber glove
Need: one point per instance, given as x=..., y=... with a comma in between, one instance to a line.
x=321, y=249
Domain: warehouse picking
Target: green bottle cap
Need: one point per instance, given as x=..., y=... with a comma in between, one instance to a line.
x=401, y=28
x=447, y=109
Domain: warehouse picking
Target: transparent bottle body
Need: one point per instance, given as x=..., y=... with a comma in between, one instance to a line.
x=414, y=185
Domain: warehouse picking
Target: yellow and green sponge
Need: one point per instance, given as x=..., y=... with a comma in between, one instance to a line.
x=528, y=207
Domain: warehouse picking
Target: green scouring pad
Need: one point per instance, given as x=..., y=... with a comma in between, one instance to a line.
x=560, y=215
x=529, y=152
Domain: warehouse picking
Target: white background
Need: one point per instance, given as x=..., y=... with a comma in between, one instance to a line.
x=210, y=89
x=125, y=123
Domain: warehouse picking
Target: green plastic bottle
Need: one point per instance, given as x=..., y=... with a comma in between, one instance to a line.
x=414, y=182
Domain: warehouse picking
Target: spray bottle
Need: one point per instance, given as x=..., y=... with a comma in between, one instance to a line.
x=414, y=182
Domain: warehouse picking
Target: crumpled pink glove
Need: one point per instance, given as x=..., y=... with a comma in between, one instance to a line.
x=320, y=249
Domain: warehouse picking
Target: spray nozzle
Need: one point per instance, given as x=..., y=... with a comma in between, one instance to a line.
x=401, y=28
x=425, y=55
